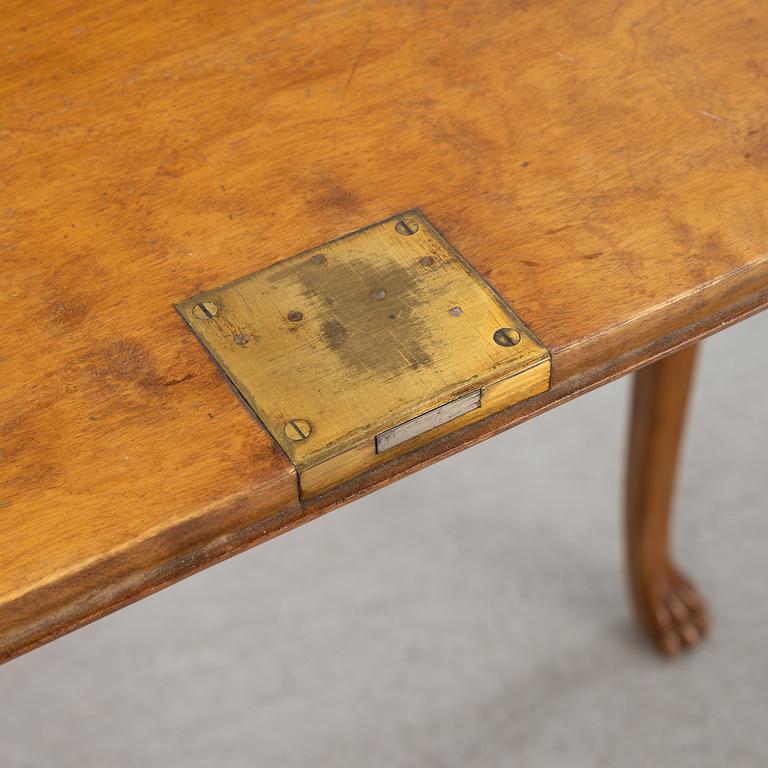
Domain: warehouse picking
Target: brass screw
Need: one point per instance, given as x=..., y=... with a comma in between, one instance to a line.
x=506, y=337
x=407, y=226
x=205, y=310
x=297, y=429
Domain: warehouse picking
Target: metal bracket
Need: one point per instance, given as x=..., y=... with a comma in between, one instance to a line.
x=367, y=347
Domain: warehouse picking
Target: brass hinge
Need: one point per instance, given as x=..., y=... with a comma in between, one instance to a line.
x=367, y=347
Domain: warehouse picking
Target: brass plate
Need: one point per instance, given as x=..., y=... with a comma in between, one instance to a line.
x=338, y=348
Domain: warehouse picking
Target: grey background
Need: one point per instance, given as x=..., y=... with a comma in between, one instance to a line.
x=471, y=615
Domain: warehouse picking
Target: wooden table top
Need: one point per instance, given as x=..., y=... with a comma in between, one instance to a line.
x=603, y=165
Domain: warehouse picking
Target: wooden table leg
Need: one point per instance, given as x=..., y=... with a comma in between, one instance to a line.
x=666, y=603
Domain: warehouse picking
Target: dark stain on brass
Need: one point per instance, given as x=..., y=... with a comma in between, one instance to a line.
x=339, y=297
x=333, y=333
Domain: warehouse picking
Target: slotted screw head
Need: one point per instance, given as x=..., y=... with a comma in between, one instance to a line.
x=506, y=337
x=205, y=310
x=297, y=429
x=407, y=226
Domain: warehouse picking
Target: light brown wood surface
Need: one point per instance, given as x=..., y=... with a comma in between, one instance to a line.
x=602, y=165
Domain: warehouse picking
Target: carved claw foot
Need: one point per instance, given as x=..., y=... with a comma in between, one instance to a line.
x=676, y=614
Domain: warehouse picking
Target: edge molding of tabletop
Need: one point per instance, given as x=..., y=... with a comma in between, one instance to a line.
x=142, y=567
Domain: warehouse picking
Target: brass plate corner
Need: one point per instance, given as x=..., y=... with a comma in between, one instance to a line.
x=367, y=347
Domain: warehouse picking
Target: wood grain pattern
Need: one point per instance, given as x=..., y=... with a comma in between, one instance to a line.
x=602, y=165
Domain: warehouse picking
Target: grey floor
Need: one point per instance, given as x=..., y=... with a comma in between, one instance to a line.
x=471, y=615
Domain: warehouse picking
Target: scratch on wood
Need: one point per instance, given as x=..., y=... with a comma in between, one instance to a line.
x=714, y=117
x=355, y=65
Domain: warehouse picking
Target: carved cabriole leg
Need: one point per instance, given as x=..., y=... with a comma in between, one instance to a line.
x=666, y=604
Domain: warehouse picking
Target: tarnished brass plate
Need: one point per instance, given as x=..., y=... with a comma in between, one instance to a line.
x=368, y=346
